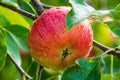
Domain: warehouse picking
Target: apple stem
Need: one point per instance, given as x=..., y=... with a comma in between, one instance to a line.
x=114, y=51
x=39, y=72
x=39, y=6
x=22, y=72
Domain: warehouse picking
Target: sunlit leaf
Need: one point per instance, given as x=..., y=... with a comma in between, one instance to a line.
x=117, y=75
x=3, y=49
x=88, y=69
x=3, y=20
x=100, y=32
x=13, y=17
x=106, y=77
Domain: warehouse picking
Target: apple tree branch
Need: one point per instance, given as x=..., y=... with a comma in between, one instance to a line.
x=25, y=13
x=113, y=51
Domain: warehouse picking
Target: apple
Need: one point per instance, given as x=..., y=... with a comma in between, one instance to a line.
x=52, y=45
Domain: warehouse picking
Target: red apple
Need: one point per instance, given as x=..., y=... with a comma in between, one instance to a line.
x=52, y=45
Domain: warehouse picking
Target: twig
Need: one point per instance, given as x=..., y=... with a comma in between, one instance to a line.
x=39, y=6
x=113, y=51
x=22, y=72
x=101, y=46
x=25, y=13
x=39, y=72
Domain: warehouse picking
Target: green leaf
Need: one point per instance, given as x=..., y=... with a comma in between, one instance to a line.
x=88, y=69
x=33, y=69
x=3, y=20
x=56, y=2
x=48, y=74
x=116, y=64
x=3, y=49
x=12, y=48
x=99, y=28
x=116, y=12
x=110, y=77
x=19, y=34
x=117, y=75
x=13, y=17
x=117, y=7
x=80, y=11
x=114, y=27
x=25, y=5
x=106, y=77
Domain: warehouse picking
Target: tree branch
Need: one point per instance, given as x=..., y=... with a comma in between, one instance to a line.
x=114, y=51
x=22, y=72
x=25, y=13
x=101, y=46
x=39, y=6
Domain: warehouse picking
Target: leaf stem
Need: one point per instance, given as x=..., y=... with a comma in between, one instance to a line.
x=25, y=13
x=39, y=72
x=22, y=72
x=39, y=6
x=111, y=66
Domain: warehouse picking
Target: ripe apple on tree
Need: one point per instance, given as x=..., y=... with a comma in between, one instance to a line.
x=52, y=45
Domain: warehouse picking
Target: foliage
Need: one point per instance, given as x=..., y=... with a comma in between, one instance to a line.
x=105, y=22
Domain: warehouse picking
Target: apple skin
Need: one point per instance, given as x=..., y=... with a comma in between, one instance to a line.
x=52, y=45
